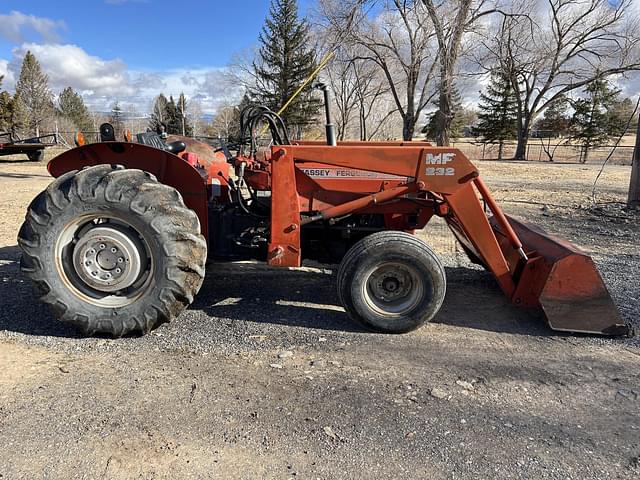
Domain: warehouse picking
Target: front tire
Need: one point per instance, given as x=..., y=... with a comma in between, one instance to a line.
x=36, y=156
x=391, y=282
x=112, y=250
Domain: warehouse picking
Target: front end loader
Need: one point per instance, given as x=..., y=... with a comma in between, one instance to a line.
x=119, y=241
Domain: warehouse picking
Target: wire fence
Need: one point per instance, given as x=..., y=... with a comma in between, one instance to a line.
x=543, y=150
x=538, y=150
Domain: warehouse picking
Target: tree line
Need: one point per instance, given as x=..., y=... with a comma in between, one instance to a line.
x=593, y=119
x=32, y=109
x=399, y=68
x=399, y=65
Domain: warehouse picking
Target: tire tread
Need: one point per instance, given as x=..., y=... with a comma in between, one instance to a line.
x=140, y=193
x=365, y=247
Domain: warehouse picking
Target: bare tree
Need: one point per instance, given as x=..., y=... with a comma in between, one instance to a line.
x=342, y=81
x=452, y=20
x=361, y=93
x=399, y=40
x=561, y=46
x=376, y=103
x=194, y=112
x=159, y=116
x=135, y=121
x=633, y=200
x=240, y=70
x=226, y=122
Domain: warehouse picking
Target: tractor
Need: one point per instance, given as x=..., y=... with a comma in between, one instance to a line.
x=119, y=242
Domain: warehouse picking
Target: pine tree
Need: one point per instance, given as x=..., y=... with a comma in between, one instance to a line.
x=457, y=123
x=591, y=119
x=184, y=124
x=555, y=121
x=498, y=112
x=12, y=115
x=159, y=116
x=174, y=119
x=621, y=116
x=285, y=63
x=171, y=115
x=72, y=107
x=116, y=119
x=33, y=91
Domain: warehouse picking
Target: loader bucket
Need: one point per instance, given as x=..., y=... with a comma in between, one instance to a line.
x=562, y=280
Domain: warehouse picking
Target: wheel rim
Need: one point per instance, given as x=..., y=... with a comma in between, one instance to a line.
x=104, y=261
x=393, y=289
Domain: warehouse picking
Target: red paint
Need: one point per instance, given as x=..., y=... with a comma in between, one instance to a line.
x=406, y=182
x=167, y=168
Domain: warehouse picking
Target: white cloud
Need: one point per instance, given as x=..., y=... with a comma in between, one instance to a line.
x=103, y=81
x=71, y=65
x=630, y=85
x=210, y=87
x=6, y=73
x=18, y=27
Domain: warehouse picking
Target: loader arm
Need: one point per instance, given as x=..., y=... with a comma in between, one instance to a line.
x=445, y=172
x=530, y=267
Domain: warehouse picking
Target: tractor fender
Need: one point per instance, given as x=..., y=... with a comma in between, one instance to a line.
x=168, y=168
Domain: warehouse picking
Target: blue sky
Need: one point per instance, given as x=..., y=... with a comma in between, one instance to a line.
x=130, y=48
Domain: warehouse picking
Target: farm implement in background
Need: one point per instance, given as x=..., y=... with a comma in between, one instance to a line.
x=33, y=147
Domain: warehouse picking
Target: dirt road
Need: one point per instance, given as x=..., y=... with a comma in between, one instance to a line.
x=266, y=377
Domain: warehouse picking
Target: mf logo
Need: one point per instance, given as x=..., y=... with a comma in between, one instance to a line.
x=439, y=158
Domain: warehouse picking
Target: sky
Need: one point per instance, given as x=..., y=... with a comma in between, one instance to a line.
x=131, y=50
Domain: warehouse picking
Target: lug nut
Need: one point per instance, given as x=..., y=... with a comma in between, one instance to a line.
x=95, y=274
x=118, y=270
x=88, y=263
x=114, y=249
x=102, y=246
x=120, y=260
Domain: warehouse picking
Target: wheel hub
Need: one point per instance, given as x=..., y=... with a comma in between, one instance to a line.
x=393, y=288
x=390, y=284
x=108, y=258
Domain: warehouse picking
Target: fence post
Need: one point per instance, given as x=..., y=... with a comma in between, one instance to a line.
x=633, y=200
x=540, y=150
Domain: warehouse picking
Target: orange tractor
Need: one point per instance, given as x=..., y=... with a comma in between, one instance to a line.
x=118, y=243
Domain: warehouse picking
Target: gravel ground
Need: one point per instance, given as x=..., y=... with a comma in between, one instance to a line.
x=266, y=377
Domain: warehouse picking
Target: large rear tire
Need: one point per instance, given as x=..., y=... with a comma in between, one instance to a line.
x=112, y=250
x=391, y=282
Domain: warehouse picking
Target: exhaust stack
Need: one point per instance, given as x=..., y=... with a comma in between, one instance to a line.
x=330, y=129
